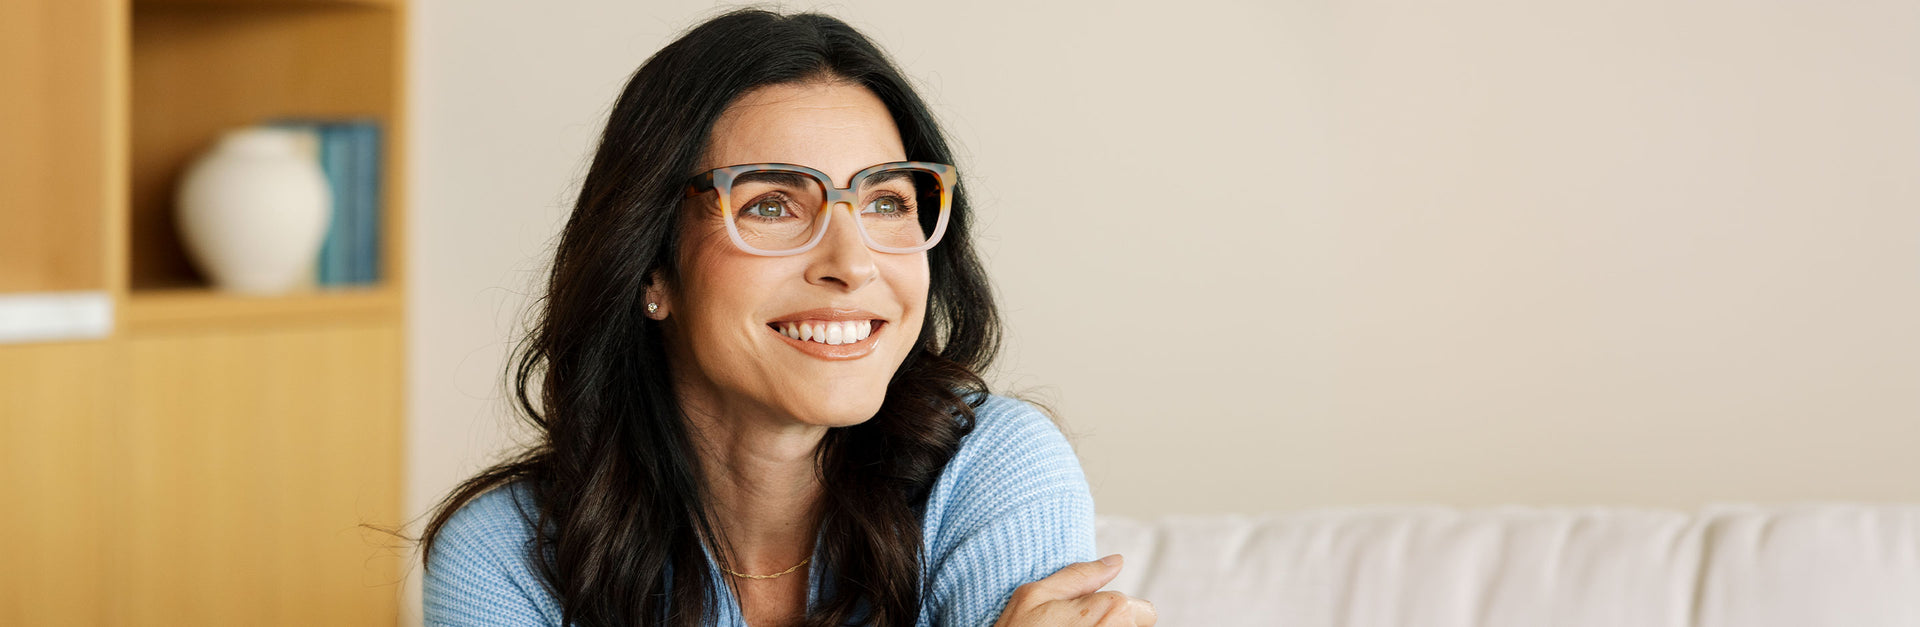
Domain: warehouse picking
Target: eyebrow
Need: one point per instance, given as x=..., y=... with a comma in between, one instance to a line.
x=786, y=179
x=889, y=176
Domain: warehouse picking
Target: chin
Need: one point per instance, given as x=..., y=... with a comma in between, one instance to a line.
x=842, y=410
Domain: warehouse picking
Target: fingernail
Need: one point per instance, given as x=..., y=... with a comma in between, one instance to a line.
x=1111, y=560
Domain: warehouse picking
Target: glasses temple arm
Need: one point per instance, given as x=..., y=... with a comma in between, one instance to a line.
x=699, y=184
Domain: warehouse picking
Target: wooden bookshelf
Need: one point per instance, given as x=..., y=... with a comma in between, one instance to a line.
x=211, y=459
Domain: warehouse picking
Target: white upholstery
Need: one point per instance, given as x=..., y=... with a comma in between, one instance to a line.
x=1724, y=566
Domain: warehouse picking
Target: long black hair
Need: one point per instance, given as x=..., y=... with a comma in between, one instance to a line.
x=617, y=489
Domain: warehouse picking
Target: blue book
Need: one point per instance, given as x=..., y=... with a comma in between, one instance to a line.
x=350, y=247
x=337, y=152
x=371, y=200
x=359, y=218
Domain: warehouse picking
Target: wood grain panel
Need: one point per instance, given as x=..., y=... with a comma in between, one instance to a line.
x=54, y=409
x=252, y=457
x=56, y=62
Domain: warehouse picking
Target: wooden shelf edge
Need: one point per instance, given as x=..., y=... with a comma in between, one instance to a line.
x=190, y=309
x=246, y=4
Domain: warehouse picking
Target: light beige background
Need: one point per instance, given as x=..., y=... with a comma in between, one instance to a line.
x=1267, y=255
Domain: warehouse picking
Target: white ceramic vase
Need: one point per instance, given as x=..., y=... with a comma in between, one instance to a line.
x=253, y=211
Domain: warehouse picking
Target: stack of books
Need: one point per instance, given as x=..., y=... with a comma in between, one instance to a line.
x=348, y=151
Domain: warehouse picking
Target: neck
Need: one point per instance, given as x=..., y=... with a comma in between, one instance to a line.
x=762, y=485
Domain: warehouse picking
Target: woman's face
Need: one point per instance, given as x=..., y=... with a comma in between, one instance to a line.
x=726, y=316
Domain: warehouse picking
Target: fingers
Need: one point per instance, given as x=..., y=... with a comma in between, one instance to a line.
x=1077, y=579
x=1143, y=613
x=1072, y=596
x=1120, y=610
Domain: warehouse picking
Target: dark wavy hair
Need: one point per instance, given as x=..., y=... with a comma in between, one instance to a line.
x=617, y=488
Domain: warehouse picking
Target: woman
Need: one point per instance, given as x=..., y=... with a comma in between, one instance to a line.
x=759, y=355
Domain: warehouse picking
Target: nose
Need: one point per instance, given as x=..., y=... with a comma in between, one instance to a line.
x=842, y=258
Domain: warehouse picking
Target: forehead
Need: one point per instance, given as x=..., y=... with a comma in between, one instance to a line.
x=834, y=127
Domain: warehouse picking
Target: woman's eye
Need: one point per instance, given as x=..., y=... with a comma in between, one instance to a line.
x=767, y=208
x=885, y=204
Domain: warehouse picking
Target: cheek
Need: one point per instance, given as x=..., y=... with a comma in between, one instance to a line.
x=911, y=280
x=721, y=286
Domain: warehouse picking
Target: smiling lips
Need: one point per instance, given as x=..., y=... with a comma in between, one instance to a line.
x=832, y=334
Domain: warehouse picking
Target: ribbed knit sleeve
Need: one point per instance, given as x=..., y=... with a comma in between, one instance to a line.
x=480, y=572
x=1012, y=507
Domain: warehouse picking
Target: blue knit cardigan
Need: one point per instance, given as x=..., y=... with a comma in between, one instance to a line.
x=1011, y=507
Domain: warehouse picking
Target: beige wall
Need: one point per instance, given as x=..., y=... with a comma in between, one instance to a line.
x=1272, y=255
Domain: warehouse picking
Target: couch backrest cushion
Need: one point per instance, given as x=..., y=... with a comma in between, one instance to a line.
x=1725, y=565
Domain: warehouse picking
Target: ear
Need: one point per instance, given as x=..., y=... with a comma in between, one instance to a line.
x=658, y=303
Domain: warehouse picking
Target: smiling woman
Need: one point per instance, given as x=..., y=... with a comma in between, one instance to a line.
x=759, y=355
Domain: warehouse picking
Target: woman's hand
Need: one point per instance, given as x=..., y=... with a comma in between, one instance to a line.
x=1069, y=598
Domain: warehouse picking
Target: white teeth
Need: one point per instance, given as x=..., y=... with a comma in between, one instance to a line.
x=829, y=333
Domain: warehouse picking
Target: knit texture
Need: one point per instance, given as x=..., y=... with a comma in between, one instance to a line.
x=1011, y=507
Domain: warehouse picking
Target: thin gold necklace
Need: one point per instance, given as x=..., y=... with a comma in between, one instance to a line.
x=802, y=563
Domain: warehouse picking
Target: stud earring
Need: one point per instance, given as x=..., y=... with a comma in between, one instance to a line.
x=653, y=307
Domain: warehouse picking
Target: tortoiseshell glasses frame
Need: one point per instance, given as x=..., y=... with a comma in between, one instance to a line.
x=722, y=180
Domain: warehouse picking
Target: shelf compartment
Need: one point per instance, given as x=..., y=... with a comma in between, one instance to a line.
x=201, y=68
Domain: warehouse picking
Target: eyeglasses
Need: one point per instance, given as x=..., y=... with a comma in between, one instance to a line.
x=778, y=209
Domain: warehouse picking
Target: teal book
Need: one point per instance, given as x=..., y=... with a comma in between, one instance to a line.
x=338, y=151
x=355, y=213
x=370, y=202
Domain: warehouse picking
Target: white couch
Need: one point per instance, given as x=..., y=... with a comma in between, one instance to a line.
x=1805, y=565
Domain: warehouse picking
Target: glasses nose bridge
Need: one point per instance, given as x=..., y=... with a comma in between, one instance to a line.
x=838, y=195
x=835, y=197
